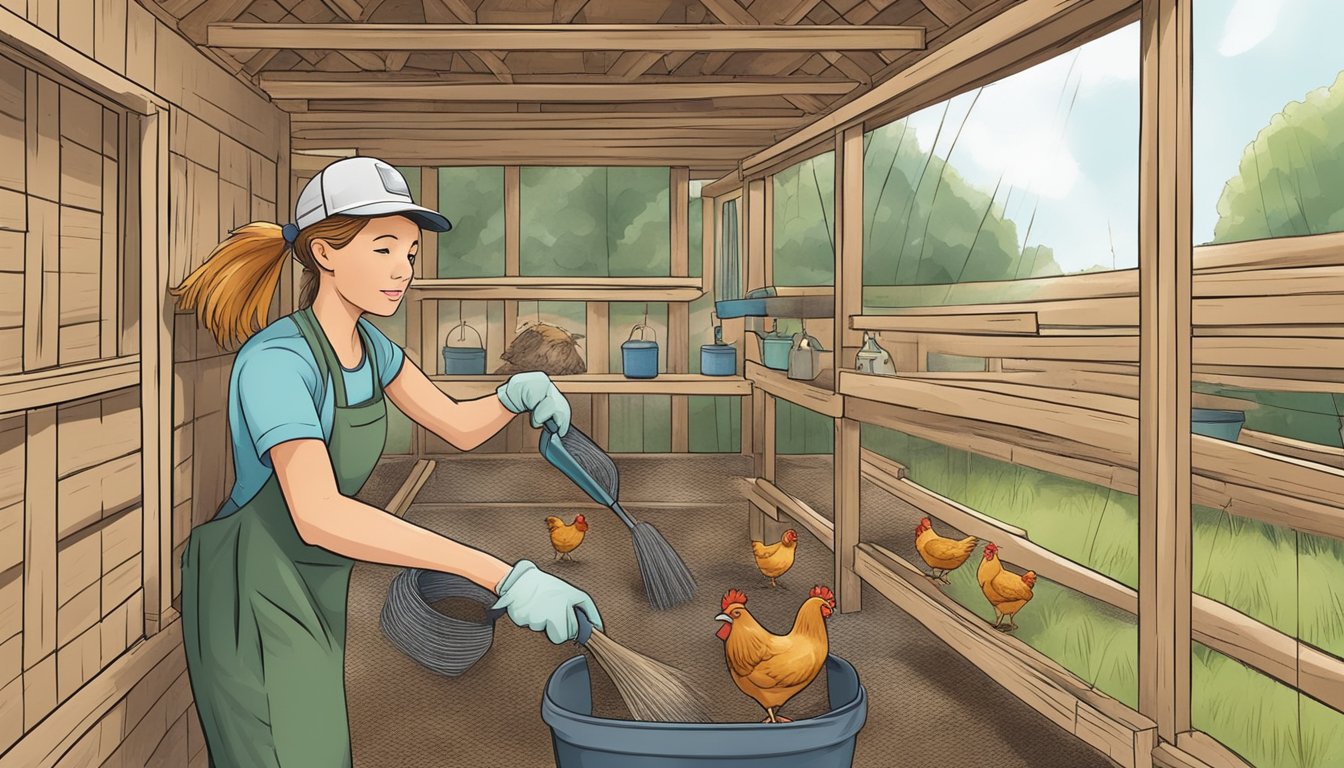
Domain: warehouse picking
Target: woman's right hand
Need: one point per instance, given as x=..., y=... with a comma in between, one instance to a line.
x=539, y=601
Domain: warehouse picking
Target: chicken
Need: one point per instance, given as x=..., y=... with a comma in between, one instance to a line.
x=772, y=668
x=566, y=538
x=942, y=555
x=1005, y=590
x=775, y=560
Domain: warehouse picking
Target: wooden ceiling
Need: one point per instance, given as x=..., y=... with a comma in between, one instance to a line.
x=706, y=81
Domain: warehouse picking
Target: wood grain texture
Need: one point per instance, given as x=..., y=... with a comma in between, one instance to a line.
x=40, y=576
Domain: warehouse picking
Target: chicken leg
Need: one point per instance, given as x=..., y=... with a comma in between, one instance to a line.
x=771, y=717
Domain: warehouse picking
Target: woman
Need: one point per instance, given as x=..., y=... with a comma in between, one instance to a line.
x=264, y=583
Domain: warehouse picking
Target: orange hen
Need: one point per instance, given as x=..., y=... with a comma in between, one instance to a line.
x=943, y=555
x=774, y=560
x=773, y=668
x=566, y=538
x=1005, y=590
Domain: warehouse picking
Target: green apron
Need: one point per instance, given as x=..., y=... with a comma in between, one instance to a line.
x=263, y=613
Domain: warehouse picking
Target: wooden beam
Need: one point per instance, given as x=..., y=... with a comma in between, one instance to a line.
x=815, y=523
x=306, y=124
x=948, y=11
x=997, y=45
x=595, y=134
x=913, y=321
x=678, y=314
x=848, y=242
x=818, y=396
x=53, y=386
x=846, y=494
x=405, y=495
x=565, y=37
x=307, y=85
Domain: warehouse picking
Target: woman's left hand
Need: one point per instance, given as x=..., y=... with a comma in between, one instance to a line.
x=534, y=391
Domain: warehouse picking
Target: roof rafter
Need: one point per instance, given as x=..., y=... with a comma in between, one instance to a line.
x=565, y=37
x=438, y=11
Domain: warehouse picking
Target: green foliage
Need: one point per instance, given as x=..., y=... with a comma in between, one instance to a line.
x=473, y=199
x=595, y=222
x=1313, y=417
x=1291, y=178
x=925, y=224
x=1262, y=720
x=804, y=223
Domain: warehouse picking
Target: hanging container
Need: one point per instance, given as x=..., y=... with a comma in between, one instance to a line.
x=463, y=360
x=805, y=357
x=639, y=357
x=775, y=348
x=718, y=359
x=872, y=358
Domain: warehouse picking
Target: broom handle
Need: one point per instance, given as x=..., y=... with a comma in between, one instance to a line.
x=621, y=513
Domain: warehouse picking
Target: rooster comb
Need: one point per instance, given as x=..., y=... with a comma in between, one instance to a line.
x=734, y=596
x=824, y=593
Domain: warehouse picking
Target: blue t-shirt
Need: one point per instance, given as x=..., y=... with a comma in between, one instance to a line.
x=275, y=396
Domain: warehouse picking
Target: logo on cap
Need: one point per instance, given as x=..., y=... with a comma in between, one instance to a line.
x=392, y=181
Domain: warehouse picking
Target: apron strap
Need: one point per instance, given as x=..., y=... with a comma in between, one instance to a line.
x=371, y=352
x=328, y=365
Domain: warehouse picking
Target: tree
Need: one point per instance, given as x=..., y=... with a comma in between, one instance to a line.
x=1291, y=178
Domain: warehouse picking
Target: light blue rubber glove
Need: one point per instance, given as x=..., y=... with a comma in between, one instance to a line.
x=537, y=600
x=535, y=392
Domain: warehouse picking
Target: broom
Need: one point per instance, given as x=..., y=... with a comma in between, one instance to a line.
x=651, y=690
x=667, y=582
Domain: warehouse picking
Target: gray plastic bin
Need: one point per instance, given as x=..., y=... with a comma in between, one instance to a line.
x=584, y=741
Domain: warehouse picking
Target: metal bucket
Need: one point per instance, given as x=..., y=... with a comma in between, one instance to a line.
x=583, y=741
x=639, y=357
x=463, y=361
x=718, y=359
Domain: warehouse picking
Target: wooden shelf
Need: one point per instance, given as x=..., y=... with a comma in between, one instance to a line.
x=560, y=288
x=941, y=320
x=818, y=395
x=808, y=302
x=472, y=387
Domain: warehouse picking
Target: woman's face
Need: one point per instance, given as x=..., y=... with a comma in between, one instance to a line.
x=372, y=272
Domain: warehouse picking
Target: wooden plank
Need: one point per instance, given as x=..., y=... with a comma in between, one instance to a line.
x=405, y=495
x=39, y=537
x=471, y=387
x=1324, y=250
x=41, y=278
x=1208, y=751
x=846, y=491
x=93, y=494
x=317, y=124
x=110, y=314
x=912, y=321
x=312, y=86
x=848, y=241
x=1074, y=348
x=39, y=691
x=50, y=387
x=1298, y=449
x=1275, y=473
x=769, y=438
x=804, y=515
x=564, y=37
x=45, y=744
x=816, y=396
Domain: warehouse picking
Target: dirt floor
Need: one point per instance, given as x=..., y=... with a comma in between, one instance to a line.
x=927, y=705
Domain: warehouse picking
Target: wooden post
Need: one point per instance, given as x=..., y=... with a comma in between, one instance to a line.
x=513, y=433
x=755, y=433
x=1164, y=375
x=678, y=313
x=848, y=243
x=767, y=232
x=597, y=334
x=848, y=587
x=156, y=366
x=769, y=439
x=417, y=306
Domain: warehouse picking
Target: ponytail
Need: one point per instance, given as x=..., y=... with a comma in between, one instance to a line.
x=231, y=293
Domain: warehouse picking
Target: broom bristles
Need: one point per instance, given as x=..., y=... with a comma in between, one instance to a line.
x=667, y=581
x=653, y=691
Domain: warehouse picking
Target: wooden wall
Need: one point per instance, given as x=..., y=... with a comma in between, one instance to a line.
x=80, y=682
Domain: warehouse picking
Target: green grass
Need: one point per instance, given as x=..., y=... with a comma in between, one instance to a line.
x=1266, y=722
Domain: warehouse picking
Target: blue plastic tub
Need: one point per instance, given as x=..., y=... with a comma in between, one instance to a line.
x=1212, y=422
x=584, y=741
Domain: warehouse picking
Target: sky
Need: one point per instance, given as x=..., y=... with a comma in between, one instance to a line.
x=1072, y=161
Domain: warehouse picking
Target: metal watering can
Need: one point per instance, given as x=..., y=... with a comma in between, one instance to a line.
x=718, y=359
x=639, y=357
x=463, y=361
x=775, y=348
x=805, y=356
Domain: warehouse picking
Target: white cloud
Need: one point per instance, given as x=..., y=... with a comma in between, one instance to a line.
x=1249, y=24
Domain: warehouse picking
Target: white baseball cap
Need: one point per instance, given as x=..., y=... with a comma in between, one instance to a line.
x=361, y=186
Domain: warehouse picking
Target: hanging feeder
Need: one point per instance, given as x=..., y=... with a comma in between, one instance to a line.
x=463, y=360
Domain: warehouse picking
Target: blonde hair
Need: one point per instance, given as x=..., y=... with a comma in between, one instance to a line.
x=232, y=291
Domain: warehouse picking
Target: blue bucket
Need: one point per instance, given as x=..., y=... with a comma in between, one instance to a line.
x=1213, y=422
x=639, y=357
x=583, y=741
x=718, y=359
x=463, y=361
